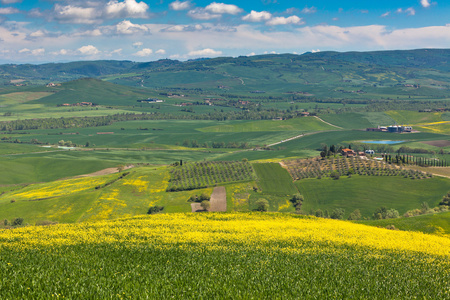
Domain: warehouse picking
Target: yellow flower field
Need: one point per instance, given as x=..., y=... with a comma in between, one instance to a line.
x=222, y=256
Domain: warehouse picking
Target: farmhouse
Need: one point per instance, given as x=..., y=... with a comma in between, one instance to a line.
x=348, y=152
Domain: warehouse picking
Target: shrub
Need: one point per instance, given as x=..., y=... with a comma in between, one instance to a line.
x=337, y=213
x=297, y=201
x=355, y=215
x=154, y=210
x=205, y=205
x=17, y=222
x=262, y=205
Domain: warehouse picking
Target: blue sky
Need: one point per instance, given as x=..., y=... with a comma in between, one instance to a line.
x=38, y=31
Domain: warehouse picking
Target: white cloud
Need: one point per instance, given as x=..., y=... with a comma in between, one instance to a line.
x=386, y=14
x=94, y=32
x=410, y=11
x=309, y=10
x=255, y=16
x=8, y=11
x=222, y=8
x=74, y=14
x=161, y=51
x=425, y=3
x=208, y=52
x=11, y=1
x=182, y=28
x=180, y=5
x=88, y=50
x=137, y=44
x=39, y=51
x=283, y=21
x=144, y=52
x=126, y=27
x=24, y=50
x=38, y=33
x=202, y=14
x=117, y=51
x=126, y=9
x=61, y=52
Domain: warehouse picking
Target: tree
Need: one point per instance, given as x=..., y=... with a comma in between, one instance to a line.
x=424, y=207
x=204, y=197
x=337, y=213
x=445, y=200
x=392, y=214
x=17, y=222
x=262, y=205
x=155, y=209
x=355, y=215
x=380, y=213
x=205, y=205
x=297, y=201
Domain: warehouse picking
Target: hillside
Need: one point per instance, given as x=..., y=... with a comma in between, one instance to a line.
x=222, y=256
x=421, y=74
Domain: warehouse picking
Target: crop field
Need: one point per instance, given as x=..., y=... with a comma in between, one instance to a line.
x=49, y=166
x=206, y=174
x=413, y=117
x=316, y=168
x=305, y=124
x=367, y=193
x=273, y=179
x=235, y=256
x=438, y=223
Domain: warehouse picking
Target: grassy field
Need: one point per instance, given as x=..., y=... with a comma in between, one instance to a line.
x=432, y=223
x=298, y=124
x=367, y=193
x=404, y=117
x=273, y=179
x=237, y=256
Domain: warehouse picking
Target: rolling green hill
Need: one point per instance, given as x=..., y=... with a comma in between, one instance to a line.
x=350, y=75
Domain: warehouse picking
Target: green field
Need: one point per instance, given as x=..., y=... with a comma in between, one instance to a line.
x=299, y=124
x=412, y=118
x=367, y=193
x=438, y=223
x=273, y=179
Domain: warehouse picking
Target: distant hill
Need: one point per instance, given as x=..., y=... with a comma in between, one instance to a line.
x=323, y=74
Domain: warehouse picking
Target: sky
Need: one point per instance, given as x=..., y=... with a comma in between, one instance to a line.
x=41, y=31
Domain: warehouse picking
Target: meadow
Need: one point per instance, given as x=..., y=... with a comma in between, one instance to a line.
x=437, y=223
x=239, y=256
x=367, y=193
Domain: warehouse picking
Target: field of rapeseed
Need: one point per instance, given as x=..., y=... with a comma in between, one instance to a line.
x=234, y=255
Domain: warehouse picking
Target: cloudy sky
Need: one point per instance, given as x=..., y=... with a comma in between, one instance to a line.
x=38, y=31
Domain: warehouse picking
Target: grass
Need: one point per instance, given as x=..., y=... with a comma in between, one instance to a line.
x=406, y=117
x=273, y=179
x=238, y=256
x=367, y=193
x=45, y=167
x=12, y=148
x=438, y=223
x=297, y=124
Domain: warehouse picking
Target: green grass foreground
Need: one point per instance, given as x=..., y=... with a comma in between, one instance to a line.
x=217, y=256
